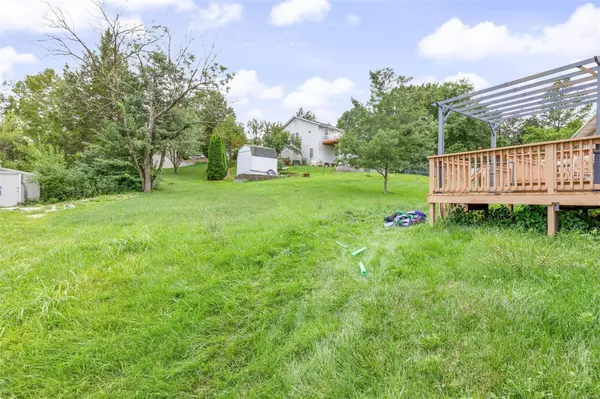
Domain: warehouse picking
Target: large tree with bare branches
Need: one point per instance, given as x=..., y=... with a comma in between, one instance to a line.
x=126, y=84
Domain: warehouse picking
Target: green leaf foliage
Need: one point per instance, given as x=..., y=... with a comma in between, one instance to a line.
x=217, y=159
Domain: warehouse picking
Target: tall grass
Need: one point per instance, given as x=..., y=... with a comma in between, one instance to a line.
x=223, y=289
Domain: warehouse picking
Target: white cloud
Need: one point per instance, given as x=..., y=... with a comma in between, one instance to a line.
x=290, y=12
x=578, y=37
x=352, y=19
x=32, y=15
x=317, y=93
x=246, y=84
x=254, y=113
x=477, y=81
x=218, y=14
x=9, y=57
x=180, y=5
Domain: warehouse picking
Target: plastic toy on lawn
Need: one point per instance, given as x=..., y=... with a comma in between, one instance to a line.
x=404, y=219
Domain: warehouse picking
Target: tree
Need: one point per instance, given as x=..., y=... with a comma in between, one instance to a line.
x=392, y=131
x=133, y=80
x=233, y=135
x=276, y=137
x=255, y=130
x=309, y=115
x=212, y=110
x=217, y=159
x=184, y=134
x=12, y=141
x=34, y=104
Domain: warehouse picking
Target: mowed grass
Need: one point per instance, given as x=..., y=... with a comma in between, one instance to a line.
x=232, y=290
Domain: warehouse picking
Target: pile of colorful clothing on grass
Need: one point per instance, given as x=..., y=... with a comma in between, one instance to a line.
x=404, y=219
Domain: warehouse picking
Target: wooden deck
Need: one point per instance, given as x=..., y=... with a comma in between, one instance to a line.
x=557, y=173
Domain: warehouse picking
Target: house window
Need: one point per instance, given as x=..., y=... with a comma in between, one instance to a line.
x=311, y=153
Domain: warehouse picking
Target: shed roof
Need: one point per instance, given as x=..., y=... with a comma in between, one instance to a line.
x=6, y=170
x=263, y=152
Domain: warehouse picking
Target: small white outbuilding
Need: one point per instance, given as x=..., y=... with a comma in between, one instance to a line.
x=17, y=187
x=254, y=160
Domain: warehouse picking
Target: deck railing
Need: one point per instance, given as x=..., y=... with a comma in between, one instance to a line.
x=550, y=167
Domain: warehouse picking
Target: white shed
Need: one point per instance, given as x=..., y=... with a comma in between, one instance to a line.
x=254, y=160
x=17, y=187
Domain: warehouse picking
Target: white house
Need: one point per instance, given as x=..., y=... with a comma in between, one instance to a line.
x=17, y=187
x=318, y=141
x=254, y=160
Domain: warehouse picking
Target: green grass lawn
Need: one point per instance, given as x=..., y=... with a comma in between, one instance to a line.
x=222, y=289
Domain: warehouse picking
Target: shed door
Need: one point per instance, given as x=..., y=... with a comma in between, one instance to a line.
x=10, y=187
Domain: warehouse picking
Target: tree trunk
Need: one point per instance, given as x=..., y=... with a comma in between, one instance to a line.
x=147, y=183
x=385, y=181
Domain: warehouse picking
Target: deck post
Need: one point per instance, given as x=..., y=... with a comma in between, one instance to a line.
x=432, y=213
x=597, y=146
x=552, y=220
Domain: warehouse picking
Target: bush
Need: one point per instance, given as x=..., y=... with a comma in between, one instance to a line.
x=525, y=217
x=98, y=174
x=93, y=174
x=217, y=159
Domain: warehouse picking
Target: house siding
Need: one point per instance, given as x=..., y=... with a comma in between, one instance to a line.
x=312, y=137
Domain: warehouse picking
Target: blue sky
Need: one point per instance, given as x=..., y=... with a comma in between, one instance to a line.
x=317, y=53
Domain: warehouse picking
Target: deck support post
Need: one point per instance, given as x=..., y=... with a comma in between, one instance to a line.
x=597, y=146
x=432, y=213
x=552, y=220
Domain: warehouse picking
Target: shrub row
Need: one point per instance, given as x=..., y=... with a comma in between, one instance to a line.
x=527, y=217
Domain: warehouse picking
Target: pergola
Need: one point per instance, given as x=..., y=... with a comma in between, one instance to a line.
x=569, y=86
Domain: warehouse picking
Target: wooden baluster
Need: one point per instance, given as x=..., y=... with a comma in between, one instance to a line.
x=561, y=167
x=513, y=171
x=468, y=174
x=489, y=170
x=571, y=166
x=590, y=161
x=461, y=172
x=452, y=175
x=500, y=171
x=481, y=174
x=581, y=163
x=550, y=158
x=457, y=174
x=443, y=174
x=530, y=161
x=520, y=166
x=540, y=167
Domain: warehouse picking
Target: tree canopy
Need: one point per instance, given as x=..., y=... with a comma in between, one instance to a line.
x=397, y=127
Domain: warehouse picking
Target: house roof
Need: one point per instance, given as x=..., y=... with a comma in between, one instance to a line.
x=263, y=152
x=588, y=129
x=320, y=124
